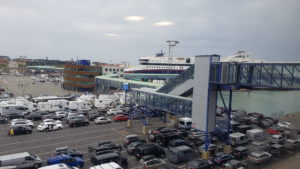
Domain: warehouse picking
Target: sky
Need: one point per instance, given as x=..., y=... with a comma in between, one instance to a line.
x=125, y=30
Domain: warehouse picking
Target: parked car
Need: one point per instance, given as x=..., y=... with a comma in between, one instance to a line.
x=20, y=130
x=61, y=114
x=3, y=120
x=93, y=115
x=167, y=167
x=285, y=125
x=20, y=160
x=264, y=124
x=131, y=148
x=132, y=138
x=58, y=166
x=109, y=157
x=78, y=121
x=181, y=154
x=34, y=116
x=199, y=164
x=235, y=164
x=108, y=144
x=66, y=159
x=222, y=158
x=121, y=118
x=164, y=139
x=11, y=116
x=272, y=131
x=240, y=152
x=154, y=134
x=179, y=142
x=113, y=111
x=277, y=139
x=102, y=120
x=149, y=149
x=50, y=125
x=110, y=165
x=65, y=150
x=150, y=162
x=259, y=157
x=277, y=150
x=22, y=122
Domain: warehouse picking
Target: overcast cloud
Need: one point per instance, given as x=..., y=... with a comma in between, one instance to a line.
x=100, y=30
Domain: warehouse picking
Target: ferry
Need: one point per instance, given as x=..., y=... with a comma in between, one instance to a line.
x=161, y=64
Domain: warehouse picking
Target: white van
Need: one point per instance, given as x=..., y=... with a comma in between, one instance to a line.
x=256, y=134
x=58, y=166
x=185, y=123
x=237, y=139
x=21, y=160
x=111, y=165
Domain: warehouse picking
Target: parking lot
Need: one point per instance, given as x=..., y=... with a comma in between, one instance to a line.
x=43, y=144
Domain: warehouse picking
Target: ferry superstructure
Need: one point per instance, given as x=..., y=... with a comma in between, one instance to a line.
x=162, y=65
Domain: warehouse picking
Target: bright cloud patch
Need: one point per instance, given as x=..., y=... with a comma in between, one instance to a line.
x=111, y=35
x=135, y=18
x=164, y=23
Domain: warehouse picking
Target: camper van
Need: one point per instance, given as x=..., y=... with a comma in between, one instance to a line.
x=6, y=109
x=256, y=134
x=79, y=105
x=237, y=139
x=185, y=123
x=21, y=160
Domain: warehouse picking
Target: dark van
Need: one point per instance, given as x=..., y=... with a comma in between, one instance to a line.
x=181, y=154
x=149, y=149
x=109, y=157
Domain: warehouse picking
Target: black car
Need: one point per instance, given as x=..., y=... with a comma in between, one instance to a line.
x=149, y=149
x=34, y=116
x=11, y=116
x=164, y=138
x=106, y=144
x=179, y=142
x=109, y=157
x=78, y=121
x=3, y=120
x=20, y=130
x=66, y=151
x=159, y=131
x=131, y=148
x=132, y=138
x=93, y=115
x=240, y=152
x=222, y=158
x=199, y=164
x=167, y=167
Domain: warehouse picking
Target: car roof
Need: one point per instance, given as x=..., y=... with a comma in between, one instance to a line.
x=131, y=135
x=107, y=155
x=145, y=146
x=111, y=165
x=181, y=148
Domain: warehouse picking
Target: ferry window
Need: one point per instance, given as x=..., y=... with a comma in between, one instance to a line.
x=121, y=70
x=114, y=70
x=110, y=70
x=117, y=70
x=188, y=60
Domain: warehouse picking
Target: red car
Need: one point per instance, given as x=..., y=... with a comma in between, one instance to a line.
x=272, y=131
x=121, y=118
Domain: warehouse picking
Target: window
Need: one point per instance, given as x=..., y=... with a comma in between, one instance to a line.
x=110, y=70
x=106, y=69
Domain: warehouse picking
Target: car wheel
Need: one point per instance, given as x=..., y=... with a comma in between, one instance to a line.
x=27, y=132
x=36, y=166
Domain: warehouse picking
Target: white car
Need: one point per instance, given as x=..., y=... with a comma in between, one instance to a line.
x=113, y=111
x=50, y=125
x=102, y=120
x=285, y=125
x=22, y=122
x=61, y=114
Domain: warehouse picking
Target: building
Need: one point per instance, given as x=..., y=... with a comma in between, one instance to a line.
x=107, y=69
x=4, y=61
x=80, y=76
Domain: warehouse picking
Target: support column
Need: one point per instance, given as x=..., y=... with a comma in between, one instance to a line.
x=129, y=123
x=205, y=155
x=227, y=149
x=145, y=130
x=204, y=96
